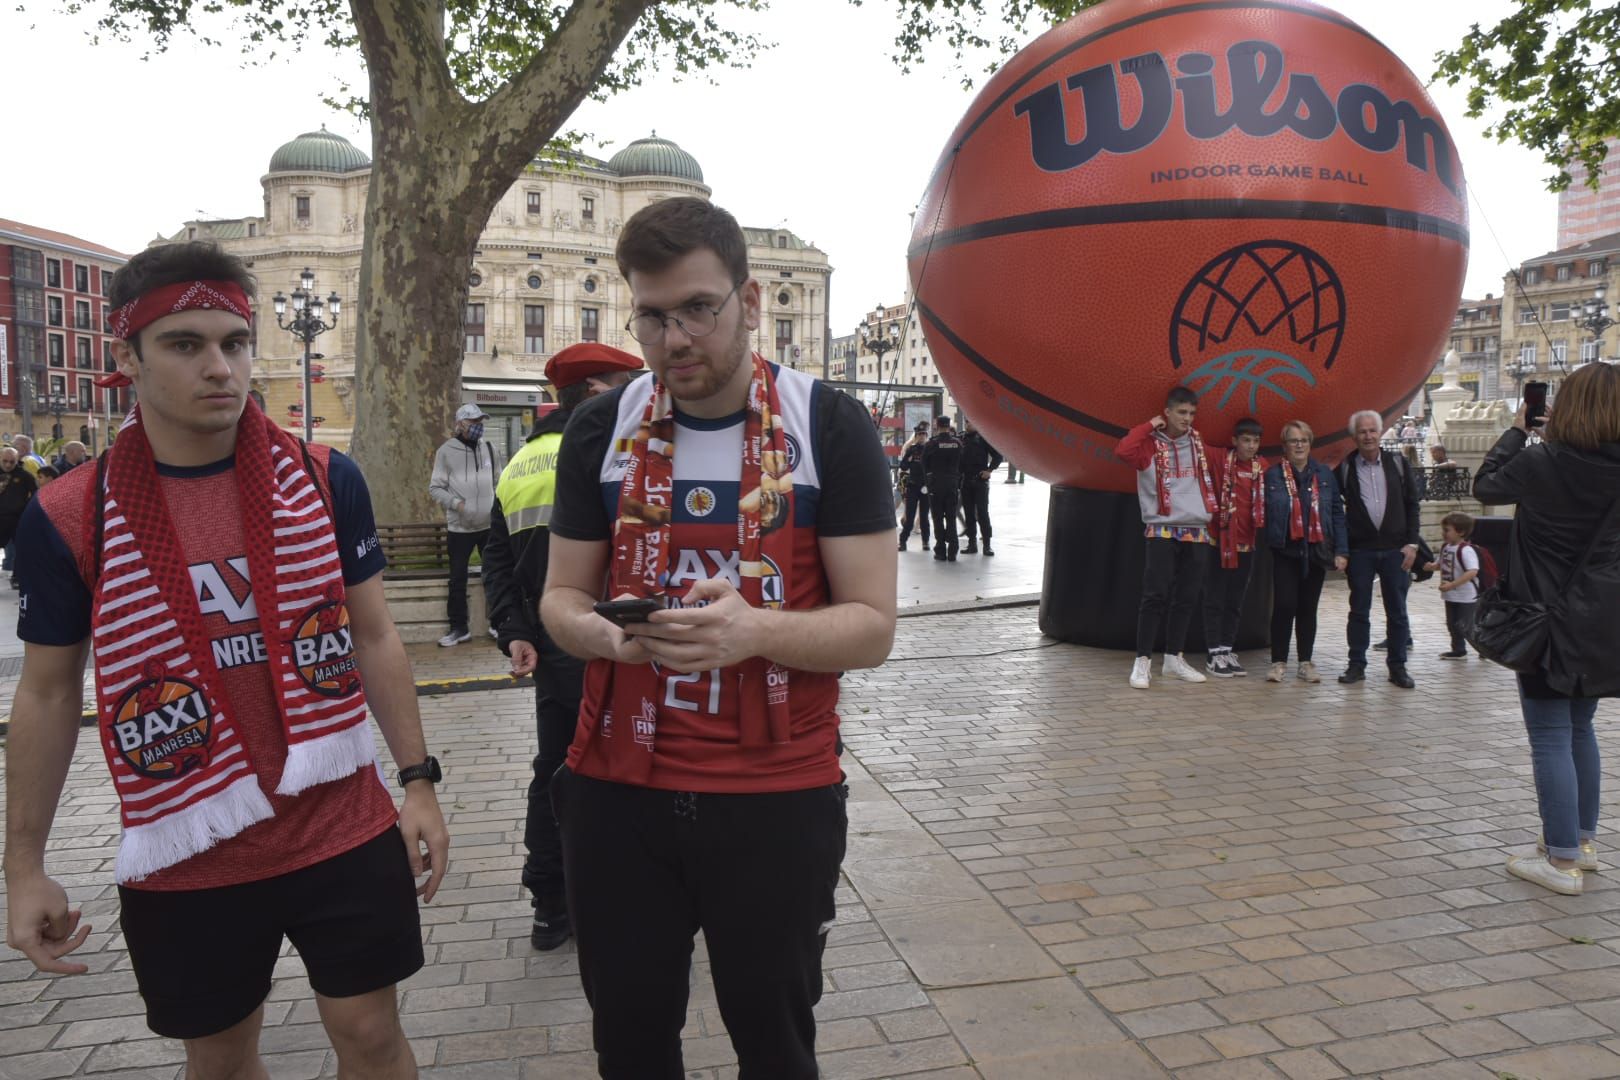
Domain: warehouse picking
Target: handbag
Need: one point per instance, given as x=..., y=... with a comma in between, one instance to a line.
x=1322, y=554
x=1514, y=633
x=1420, y=564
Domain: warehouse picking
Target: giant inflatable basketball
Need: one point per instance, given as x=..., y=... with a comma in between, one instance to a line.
x=1255, y=200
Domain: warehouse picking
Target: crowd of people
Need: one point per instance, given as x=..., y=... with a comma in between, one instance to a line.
x=686, y=558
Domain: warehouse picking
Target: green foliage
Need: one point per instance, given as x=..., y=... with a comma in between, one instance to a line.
x=1553, y=69
x=961, y=25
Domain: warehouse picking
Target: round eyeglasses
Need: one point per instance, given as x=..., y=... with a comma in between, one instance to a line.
x=696, y=319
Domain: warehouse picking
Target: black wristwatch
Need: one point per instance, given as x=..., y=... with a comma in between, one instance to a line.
x=429, y=770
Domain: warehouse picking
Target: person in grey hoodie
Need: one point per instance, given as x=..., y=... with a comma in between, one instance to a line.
x=1177, y=492
x=464, y=475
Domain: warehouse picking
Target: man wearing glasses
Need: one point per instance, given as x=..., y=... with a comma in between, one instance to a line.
x=748, y=506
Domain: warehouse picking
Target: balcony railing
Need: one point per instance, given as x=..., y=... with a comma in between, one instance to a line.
x=1443, y=484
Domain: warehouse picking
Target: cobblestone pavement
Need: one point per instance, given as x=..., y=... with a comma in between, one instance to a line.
x=1049, y=876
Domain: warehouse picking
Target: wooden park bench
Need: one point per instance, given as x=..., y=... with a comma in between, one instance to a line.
x=415, y=549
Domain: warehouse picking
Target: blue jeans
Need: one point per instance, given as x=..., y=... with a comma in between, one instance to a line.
x=1564, y=758
x=1385, y=566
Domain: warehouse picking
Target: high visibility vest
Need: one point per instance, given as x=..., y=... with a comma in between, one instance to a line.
x=528, y=485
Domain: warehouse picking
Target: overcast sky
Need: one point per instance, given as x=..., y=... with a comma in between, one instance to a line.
x=823, y=134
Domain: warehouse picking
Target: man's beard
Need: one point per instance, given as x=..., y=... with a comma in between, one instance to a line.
x=722, y=368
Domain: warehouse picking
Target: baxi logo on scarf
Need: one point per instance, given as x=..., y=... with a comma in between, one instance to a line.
x=323, y=648
x=162, y=725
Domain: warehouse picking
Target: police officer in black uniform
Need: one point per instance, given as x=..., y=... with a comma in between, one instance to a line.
x=979, y=460
x=942, y=462
x=914, y=484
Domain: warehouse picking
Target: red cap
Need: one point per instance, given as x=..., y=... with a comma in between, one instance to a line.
x=579, y=362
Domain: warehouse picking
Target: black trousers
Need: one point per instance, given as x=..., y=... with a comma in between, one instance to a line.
x=1296, y=589
x=976, y=507
x=647, y=869
x=1171, y=577
x=943, y=498
x=1459, y=619
x=462, y=545
x=1224, y=590
x=916, y=503
x=558, y=684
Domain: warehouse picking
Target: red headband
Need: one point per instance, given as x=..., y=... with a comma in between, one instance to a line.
x=149, y=307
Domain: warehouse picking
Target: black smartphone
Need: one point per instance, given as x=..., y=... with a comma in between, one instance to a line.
x=1535, y=404
x=623, y=612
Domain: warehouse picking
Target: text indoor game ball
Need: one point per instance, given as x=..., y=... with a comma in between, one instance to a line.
x=1257, y=201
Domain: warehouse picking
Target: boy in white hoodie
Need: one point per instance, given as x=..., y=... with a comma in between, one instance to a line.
x=1177, y=492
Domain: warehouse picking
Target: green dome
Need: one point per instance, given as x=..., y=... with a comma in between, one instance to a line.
x=653, y=156
x=319, y=151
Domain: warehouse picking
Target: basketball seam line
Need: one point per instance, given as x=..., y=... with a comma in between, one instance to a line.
x=1200, y=209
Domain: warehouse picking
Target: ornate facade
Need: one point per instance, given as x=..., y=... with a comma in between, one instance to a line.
x=543, y=274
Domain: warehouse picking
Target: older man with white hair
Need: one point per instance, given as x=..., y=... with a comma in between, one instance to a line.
x=1381, y=512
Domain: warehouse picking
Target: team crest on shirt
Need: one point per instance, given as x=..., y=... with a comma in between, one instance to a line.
x=700, y=502
x=162, y=725
x=794, y=453
x=323, y=647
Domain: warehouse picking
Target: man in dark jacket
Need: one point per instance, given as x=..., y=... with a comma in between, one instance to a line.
x=1381, y=512
x=914, y=483
x=942, y=461
x=515, y=559
x=17, y=487
x=979, y=460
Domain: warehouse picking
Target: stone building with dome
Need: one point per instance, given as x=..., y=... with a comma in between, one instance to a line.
x=543, y=275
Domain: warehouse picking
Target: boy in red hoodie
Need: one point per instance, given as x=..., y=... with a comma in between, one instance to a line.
x=1240, y=516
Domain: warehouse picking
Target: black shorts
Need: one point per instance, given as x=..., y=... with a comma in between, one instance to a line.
x=203, y=957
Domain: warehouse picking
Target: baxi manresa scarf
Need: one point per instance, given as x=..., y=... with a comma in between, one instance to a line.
x=173, y=741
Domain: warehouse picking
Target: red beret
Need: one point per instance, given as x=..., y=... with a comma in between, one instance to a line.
x=579, y=362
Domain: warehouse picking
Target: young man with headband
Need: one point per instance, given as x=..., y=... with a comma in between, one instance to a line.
x=229, y=577
x=750, y=505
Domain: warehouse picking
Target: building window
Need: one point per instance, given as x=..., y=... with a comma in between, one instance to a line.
x=81, y=314
x=58, y=385
x=81, y=279
x=1560, y=354
x=1594, y=268
x=57, y=350
x=1564, y=272
x=1527, y=355
x=53, y=305
x=1527, y=315
x=53, y=273
x=87, y=396
x=474, y=328
x=253, y=229
x=1589, y=351
x=30, y=348
x=589, y=323
x=534, y=328
x=475, y=279
x=534, y=281
x=301, y=207
x=784, y=298
x=534, y=202
x=30, y=304
x=781, y=240
x=590, y=284
x=107, y=361
x=784, y=340
x=1532, y=276
x=27, y=265
x=82, y=354
x=1560, y=311
x=587, y=208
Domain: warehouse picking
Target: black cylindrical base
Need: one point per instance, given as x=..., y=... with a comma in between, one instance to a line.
x=1093, y=581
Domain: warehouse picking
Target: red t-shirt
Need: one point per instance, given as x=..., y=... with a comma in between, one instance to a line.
x=307, y=828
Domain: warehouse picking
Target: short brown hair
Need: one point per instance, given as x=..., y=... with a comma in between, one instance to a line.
x=658, y=234
x=1463, y=523
x=1301, y=425
x=1587, y=412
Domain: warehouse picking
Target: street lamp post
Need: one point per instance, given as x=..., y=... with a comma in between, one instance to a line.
x=306, y=325
x=1595, y=318
x=876, y=342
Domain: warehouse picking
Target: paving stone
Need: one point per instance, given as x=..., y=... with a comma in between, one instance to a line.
x=1170, y=1019
x=1241, y=1040
x=1576, y=1061
x=1117, y=1061
x=1177, y=1051
x=1369, y=1057
x=1306, y=1065
x=1554, y=1025
x=44, y=1065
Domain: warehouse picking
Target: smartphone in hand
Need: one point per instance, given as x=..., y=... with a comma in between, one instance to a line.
x=623, y=612
x=1535, y=404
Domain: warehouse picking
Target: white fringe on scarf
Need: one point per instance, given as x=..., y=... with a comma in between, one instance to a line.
x=146, y=849
x=330, y=757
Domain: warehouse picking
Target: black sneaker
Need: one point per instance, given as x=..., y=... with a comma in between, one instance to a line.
x=987, y=550
x=971, y=549
x=1217, y=666
x=1400, y=678
x=551, y=925
x=1382, y=646
x=1354, y=673
x=1234, y=668
x=939, y=556
x=1454, y=656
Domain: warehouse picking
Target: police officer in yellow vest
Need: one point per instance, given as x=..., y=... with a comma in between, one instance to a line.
x=514, y=575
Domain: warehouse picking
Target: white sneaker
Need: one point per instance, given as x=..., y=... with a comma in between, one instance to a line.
x=1307, y=672
x=1536, y=868
x=1141, y=675
x=1176, y=666
x=1276, y=672
x=455, y=637
x=494, y=633
x=1588, y=862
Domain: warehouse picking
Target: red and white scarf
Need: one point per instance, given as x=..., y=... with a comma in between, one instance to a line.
x=640, y=567
x=1257, y=504
x=1163, y=469
x=171, y=736
x=1296, y=521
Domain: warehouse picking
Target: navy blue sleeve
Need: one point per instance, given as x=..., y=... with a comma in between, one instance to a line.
x=55, y=604
x=354, y=522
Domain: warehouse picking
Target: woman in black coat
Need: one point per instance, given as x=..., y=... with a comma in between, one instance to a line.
x=1564, y=488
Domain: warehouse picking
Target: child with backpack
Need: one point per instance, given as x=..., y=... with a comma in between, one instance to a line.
x=1465, y=571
